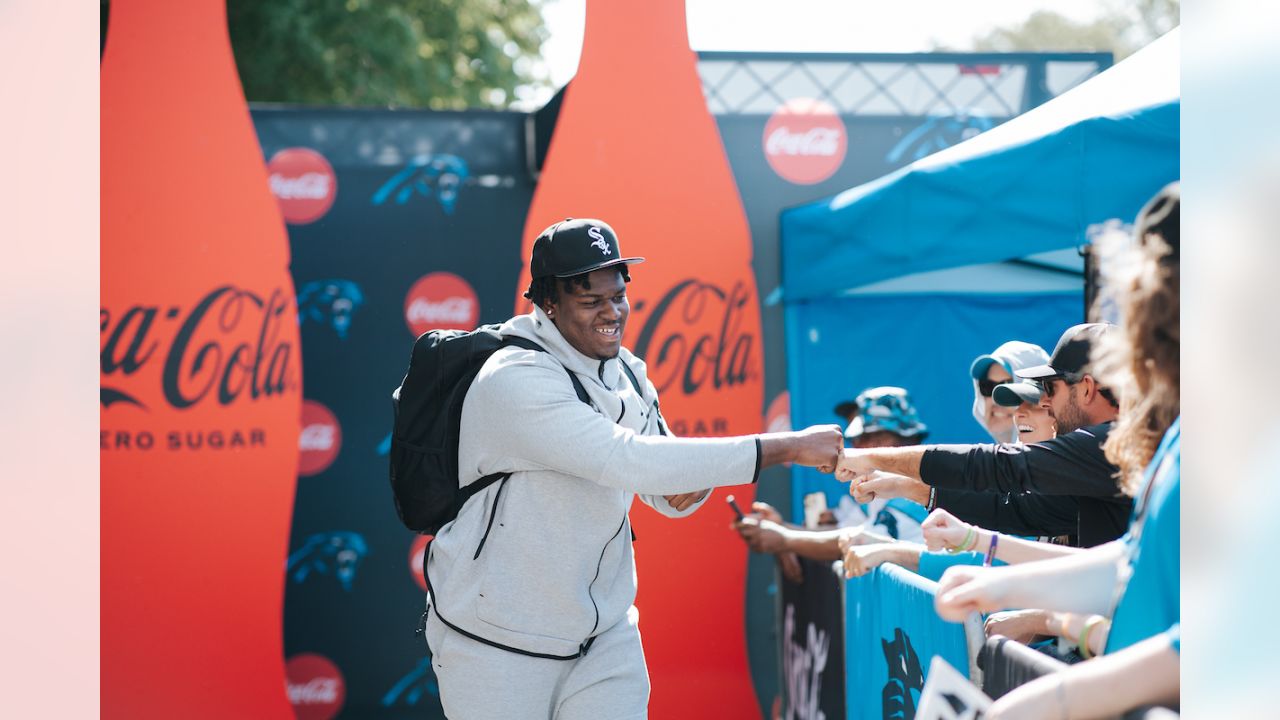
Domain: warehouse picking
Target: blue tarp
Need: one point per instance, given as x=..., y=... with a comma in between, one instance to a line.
x=1034, y=184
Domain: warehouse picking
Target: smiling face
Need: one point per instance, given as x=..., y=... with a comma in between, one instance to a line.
x=593, y=319
x=1034, y=423
x=999, y=420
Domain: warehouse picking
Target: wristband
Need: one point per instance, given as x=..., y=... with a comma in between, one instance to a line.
x=1089, y=624
x=991, y=549
x=971, y=536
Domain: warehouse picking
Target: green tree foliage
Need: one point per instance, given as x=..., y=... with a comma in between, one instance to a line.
x=1123, y=29
x=441, y=54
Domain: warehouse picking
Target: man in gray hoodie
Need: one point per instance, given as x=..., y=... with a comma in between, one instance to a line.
x=532, y=586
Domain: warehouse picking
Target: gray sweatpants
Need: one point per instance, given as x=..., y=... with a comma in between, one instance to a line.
x=480, y=682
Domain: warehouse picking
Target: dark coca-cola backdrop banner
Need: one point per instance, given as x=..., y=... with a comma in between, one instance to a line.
x=399, y=222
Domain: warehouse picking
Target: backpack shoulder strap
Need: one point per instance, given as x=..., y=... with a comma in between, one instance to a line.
x=631, y=375
x=531, y=345
x=474, y=488
x=635, y=383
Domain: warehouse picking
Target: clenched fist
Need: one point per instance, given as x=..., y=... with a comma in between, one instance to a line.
x=944, y=531
x=819, y=446
x=879, y=484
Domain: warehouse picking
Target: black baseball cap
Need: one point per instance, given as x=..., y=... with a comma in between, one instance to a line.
x=1071, y=355
x=576, y=246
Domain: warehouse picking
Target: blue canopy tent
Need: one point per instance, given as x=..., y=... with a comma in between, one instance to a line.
x=904, y=280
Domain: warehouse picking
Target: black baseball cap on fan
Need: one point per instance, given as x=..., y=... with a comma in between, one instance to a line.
x=574, y=247
x=1071, y=356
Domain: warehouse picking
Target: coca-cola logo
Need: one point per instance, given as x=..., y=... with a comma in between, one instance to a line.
x=805, y=141
x=418, y=553
x=441, y=301
x=304, y=183
x=694, y=337
x=320, y=440
x=226, y=348
x=315, y=687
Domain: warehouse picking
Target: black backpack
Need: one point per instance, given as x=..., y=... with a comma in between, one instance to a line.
x=428, y=415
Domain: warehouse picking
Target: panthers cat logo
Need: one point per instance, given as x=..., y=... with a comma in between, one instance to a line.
x=431, y=176
x=330, y=302
x=335, y=553
x=417, y=684
x=938, y=133
x=906, y=678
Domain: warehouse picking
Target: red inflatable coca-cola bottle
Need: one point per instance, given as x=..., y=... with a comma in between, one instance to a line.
x=635, y=146
x=201, y=382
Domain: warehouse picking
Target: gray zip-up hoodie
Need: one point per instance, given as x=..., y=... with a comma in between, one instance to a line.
x=542, y=561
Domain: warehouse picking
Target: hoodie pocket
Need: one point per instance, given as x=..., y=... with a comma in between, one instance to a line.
x=493, y=513
x=534, y=586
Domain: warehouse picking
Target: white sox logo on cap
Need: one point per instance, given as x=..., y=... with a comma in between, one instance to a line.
x=594, y=233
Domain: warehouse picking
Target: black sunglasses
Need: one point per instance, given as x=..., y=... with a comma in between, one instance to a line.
x=1047, y=384
x=986, y=387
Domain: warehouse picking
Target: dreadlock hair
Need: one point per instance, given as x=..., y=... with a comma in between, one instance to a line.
x=1143, y=359
x=546, y=290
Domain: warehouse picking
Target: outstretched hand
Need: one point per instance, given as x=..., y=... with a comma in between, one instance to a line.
x=966, y=589
x=685, y=501
x=862, y=559
x=766, y=511
x=1024, y=626
x=762, y=536
x=853, y=464
x=819, y=446
x=880, y=484
x=944, y=531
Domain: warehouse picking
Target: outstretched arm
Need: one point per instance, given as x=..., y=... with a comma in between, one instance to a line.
x=944, y=531
x=764, y=535
x=1080, y=583
x=1143, y=674
x=855, y=462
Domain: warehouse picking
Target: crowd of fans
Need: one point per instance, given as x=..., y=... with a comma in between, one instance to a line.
x=1064, y=531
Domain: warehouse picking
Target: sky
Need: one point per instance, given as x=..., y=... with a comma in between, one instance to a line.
x=819, y=25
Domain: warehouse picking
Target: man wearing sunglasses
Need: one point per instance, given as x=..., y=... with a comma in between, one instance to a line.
x=1072, y=464
x=1072, y=395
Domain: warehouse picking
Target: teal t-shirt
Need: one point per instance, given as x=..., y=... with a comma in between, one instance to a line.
x=1150, y=603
